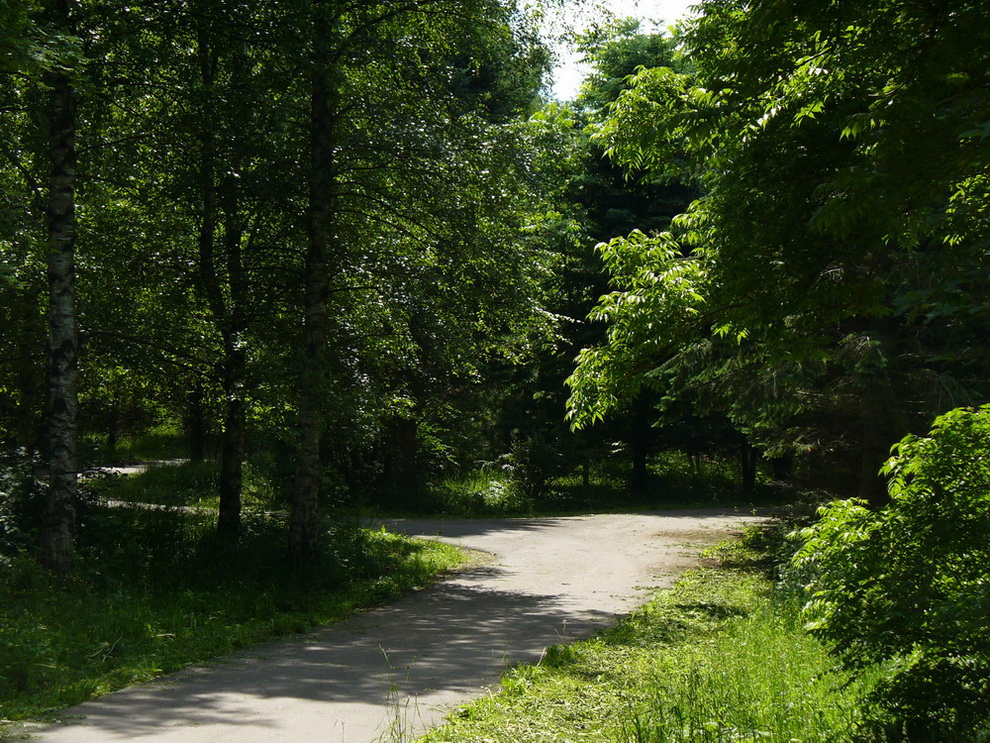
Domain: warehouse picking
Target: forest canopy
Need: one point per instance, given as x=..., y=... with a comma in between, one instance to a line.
x=355, y=237
x=827, y=289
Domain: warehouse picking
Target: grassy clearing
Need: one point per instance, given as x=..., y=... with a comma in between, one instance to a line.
x=720, y=657
x=155, y=590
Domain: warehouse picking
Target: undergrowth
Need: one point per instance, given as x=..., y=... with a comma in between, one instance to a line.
x=164, y=441
x=493, y=493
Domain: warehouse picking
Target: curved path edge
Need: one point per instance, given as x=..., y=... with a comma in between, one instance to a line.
x=393, y=672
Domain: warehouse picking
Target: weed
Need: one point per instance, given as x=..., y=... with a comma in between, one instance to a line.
x=402, y=716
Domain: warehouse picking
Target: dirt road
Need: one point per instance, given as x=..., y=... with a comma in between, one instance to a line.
x=389, y=673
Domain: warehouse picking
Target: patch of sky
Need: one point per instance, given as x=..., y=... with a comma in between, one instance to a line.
x=562, y=21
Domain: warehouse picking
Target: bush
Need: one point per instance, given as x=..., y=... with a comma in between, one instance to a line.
x=535, y=464
x=909, y=585
x=22, y=502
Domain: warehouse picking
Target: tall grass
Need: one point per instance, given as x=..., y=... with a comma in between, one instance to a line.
x=719, y=657
x=759, y=678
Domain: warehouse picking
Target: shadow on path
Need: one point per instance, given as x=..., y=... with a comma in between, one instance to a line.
x=550, y=580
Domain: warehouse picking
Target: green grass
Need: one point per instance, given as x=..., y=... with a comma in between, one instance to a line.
x=478, y=494
x=183, y=483
x=162, y=442
x=759, y=678
x=494, y=493
x=154, y=591
x=719, y=657
x=487, y=492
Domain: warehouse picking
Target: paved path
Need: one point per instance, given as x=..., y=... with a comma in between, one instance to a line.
x=401, y=668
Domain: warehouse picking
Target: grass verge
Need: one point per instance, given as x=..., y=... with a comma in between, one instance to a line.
x=719, y=657
x=155, y=590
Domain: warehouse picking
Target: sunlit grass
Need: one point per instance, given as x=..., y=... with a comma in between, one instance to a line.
x=161, y=442
x=484, y=492
x=759, y=678
x=183, y=483
x=717, y=658
x=491, y=492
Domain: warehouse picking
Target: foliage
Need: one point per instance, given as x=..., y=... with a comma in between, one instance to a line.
x=21, y=502
x=184, y=484
x=677, y=481
x=194, y=129
x=158, y=443
x=617, y=51
x=594, y=201
x=833, y=295
x=909, y=585
x=656, y=288
x=486, y=493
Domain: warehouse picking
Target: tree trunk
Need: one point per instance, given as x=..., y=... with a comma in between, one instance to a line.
x=640, y=440
x=56, y=536
x=232, y=452
x=226, y=307
x=235, y=362
x=304, y=518
x=748, y=459
x=206, y=239
x=400, y=469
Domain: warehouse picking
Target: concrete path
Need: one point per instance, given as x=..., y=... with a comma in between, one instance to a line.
x=391, y=673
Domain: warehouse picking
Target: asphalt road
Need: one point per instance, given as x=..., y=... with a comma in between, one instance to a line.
x=392, y=672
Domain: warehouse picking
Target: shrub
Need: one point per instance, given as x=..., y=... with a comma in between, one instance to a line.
x=22, y=502
x=535, y=464
x=909, y=585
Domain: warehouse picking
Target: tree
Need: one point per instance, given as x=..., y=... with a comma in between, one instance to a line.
x=596, y=199
x=407, y=189
x=906, y=585
x=244, y=184
x=56, y=538
x=826, y=252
